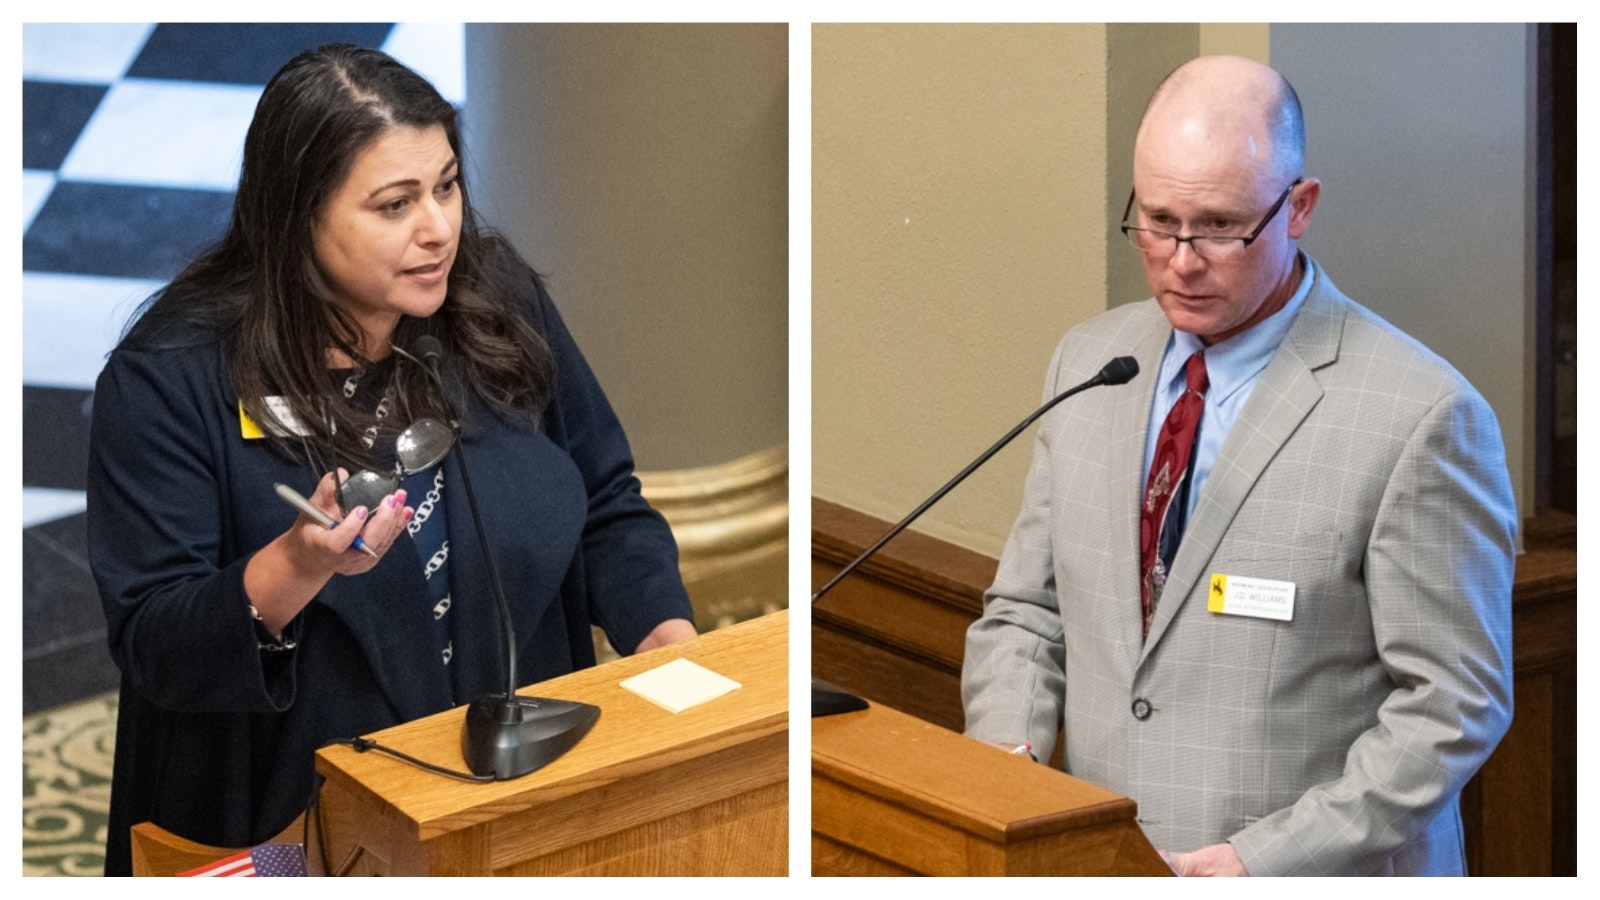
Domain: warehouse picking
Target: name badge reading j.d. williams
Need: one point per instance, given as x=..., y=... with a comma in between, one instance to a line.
x=1262, y=598
x=286, y=423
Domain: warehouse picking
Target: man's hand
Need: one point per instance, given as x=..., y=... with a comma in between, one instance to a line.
x=1217, y=859
x=1014, y=749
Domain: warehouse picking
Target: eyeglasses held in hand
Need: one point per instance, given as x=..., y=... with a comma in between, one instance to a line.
x=421, y=445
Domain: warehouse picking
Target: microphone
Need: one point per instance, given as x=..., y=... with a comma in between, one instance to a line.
x=428, y=349
x=1119, y=371
x=826, y=699
x=505, y=735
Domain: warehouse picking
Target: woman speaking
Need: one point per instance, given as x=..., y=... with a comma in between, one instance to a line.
x=250, y=632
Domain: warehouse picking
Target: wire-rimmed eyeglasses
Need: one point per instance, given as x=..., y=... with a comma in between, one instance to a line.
x=1215, y=248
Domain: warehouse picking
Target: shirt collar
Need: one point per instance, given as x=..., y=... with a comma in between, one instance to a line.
x=1231, y=364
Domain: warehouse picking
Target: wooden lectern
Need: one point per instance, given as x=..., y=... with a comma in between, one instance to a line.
x=646, y=792
x=894, y=795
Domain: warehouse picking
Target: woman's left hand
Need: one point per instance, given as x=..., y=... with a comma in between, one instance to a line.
x=672, y=631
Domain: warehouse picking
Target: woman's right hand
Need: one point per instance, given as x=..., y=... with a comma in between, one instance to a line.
x=286, y=574
x=332, y=550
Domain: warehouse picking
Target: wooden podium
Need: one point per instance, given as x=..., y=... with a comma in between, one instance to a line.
x=894, y=795
x=646, y=792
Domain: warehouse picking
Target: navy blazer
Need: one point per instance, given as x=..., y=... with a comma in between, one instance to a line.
x=216, y=737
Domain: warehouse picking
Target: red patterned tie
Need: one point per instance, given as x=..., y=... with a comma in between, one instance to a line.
x=1169, y=470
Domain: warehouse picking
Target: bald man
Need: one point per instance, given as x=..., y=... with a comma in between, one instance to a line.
x=1290, y=643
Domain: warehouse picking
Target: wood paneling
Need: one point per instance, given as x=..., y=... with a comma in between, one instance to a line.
x=1521, y=808
x=894, y=630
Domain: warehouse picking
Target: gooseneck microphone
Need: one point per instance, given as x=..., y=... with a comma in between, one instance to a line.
x=504, y=735
x=428, y=349
x=1118, y=371
x=827, y=699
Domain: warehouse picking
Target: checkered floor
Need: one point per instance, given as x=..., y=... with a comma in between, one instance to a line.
x=131, y=136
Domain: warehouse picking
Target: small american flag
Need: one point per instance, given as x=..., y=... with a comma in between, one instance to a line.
x=264, y=861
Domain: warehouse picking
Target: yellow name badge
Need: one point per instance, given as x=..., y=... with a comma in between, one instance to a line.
x=280, y=409
x=1261, y=598
x=248, y=429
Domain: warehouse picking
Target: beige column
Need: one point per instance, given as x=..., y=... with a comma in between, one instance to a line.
x=643, y=169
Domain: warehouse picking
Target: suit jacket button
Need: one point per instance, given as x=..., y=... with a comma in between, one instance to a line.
x=1141, y=709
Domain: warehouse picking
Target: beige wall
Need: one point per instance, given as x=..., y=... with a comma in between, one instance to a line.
x=1251, y=41
x=644, y=170
x=958, y=229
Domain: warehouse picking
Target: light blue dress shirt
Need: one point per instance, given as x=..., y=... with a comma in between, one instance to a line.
x=1233, y=367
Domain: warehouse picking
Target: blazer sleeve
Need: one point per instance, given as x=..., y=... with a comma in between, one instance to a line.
x=630, y=559
x=1438, y=571
x=177, y=616
x=1012, y=675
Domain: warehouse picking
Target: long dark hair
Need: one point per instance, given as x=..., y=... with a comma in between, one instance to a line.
x=259, y=290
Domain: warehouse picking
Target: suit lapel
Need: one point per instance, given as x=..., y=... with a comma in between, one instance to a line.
x=1282, y=398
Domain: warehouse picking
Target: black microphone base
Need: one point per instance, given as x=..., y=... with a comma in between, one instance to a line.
x=830, y=700
x=509, y=740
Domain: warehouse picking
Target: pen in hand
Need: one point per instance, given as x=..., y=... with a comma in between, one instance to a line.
x=321, y=518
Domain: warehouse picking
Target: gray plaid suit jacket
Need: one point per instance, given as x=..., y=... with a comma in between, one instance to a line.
x=1365, y=470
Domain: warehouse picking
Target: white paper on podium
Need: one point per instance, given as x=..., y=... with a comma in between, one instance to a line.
x=680, y=684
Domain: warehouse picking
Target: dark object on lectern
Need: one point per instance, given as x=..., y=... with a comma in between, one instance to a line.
x=829, y=700
x=508, y=740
